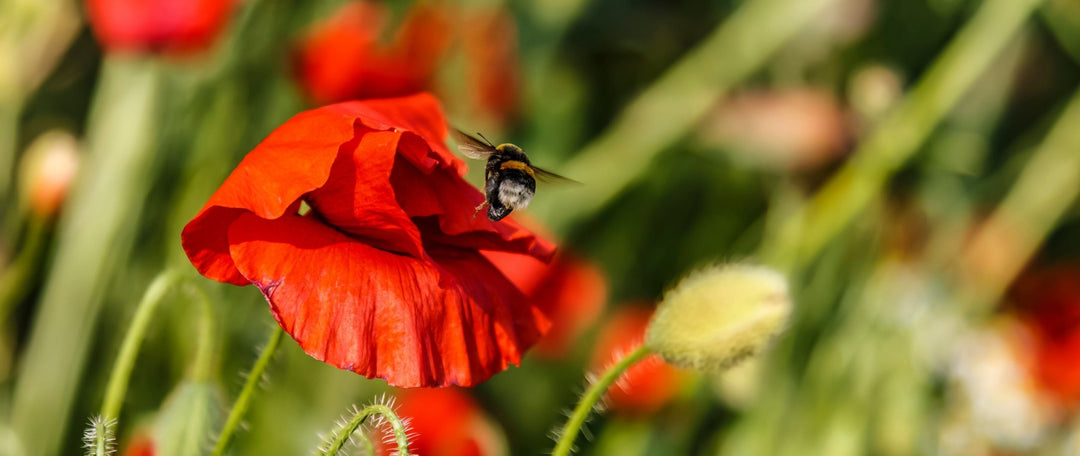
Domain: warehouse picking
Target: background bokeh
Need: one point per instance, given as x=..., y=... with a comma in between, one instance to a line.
x=911, y=166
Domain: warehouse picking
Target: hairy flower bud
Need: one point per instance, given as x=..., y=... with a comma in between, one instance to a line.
x=718, y=316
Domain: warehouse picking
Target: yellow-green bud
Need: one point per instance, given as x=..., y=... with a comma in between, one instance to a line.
x=719, y=316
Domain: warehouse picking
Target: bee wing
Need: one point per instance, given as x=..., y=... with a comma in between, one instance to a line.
x=548, y=176
x=471, y=147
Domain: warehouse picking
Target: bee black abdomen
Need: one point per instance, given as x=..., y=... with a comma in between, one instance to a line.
x=506, y=191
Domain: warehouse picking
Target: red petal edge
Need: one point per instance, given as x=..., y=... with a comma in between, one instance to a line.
x=455, y=321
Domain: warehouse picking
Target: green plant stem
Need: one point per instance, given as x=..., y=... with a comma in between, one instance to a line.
x=94, y=234
x=900, y=134
x=341, y=437
x=244, y=399
x=1048, y=186
x=129, y=348
x=672, y=105
x=120, y=376
x=17, y=279
x=593, y=395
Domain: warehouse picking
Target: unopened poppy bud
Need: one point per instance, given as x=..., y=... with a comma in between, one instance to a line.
x=47, y=171
x=718, y=316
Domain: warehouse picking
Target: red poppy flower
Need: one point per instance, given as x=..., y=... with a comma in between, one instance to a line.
x=1048, y=301
x=178, y=26
x=343, y=58
x=388, y=274
x=448, y=422
x=490, y=44
x=650, y=383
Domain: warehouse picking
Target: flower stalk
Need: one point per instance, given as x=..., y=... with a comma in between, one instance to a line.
x=91, y=240
x=592, y=396
x=243, y=401
x=129, y=348
x=344, y=433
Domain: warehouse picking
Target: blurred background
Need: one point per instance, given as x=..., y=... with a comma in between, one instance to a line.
x=910, y=165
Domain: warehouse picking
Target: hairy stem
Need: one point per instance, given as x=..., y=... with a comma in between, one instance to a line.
x=243, y=401
x=593, y=395
x=341, y=437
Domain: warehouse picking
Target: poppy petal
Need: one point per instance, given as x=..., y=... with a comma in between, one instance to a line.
x=294, y=159
x=358, y=198
x=298, y=157
x=456, y=320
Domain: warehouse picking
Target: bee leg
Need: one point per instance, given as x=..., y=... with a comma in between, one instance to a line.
x=480, y=208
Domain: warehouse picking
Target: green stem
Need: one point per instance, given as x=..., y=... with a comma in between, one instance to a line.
x=244, y=399
x=92, y=239
x=100, y=439
x=593, y=395
x=202, y=367
x=1047, y=187
x=17, y=279
x=899, y=135
x=341, y=437
x=120, y=376
x=129, y=348
x=672, y=105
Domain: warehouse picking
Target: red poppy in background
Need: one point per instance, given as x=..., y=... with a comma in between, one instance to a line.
x=175, y=26
x=344, y=58
x=448, y=422
x=387, y=275
x=490, y=42
x=347, y=57
x=650, y=383
x=1048, y=301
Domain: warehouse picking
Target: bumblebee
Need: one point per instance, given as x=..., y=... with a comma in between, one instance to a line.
x=509, y=177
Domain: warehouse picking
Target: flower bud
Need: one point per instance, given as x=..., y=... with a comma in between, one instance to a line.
x=48, y=168
x=718, y=316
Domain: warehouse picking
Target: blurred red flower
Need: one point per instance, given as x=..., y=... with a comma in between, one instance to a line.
x=448, y=422
x=490, y=43
x=175, y=26
x=141, y=445
x=650, y=383
x=387, y=274
x=343, y=58
x=1048, y=301
x=573, y=288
